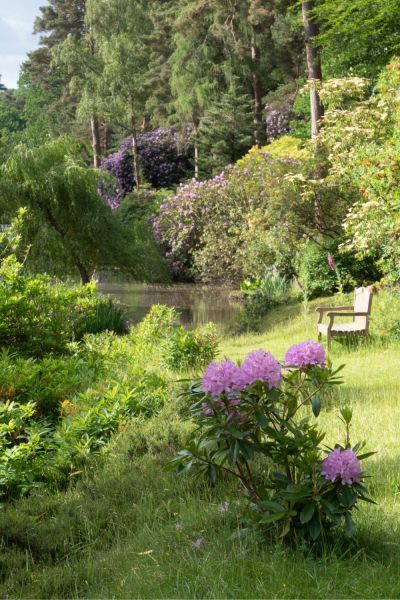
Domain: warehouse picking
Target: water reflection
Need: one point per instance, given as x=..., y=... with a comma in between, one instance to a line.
x=197, y=304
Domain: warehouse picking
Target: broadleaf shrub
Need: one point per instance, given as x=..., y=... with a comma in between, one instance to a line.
x=259, y=413
x=39, y=315
x=178, y=349
x=207, y=227
x=319, y=279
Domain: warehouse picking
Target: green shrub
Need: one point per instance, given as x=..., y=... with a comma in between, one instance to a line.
x=318, y=279
x=160, y=335
x=108, y=316
x=39, y=315
x=57, y=411
x=36, y=451
x=46, y=382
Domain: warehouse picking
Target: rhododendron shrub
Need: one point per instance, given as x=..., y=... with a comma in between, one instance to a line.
x=264, y=411
x=207, y=226
x=164, y=163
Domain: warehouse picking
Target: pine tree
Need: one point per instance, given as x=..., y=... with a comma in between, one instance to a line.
x=58, y=19
x=225, y=131
x=121, y=29
x=160, y=46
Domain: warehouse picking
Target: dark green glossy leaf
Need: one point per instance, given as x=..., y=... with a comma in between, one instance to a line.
x=349, y=526
x=212, y=473
x=272, y=517
x=261, y=419
x=307, y=512
x=272, y=505
x=314, y=527
x=365, y=455
x=316, y=405
x=347, y=497
x=233, y=453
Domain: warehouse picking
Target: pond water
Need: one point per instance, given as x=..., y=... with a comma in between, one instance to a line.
x=197, y=304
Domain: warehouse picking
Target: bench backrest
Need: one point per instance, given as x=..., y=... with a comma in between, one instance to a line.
x=362, y=303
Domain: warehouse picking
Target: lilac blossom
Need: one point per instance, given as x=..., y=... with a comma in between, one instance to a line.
x=261, y=366
x=305, y=354
x=343, y=465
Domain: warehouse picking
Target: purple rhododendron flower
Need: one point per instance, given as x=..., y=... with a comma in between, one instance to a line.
x=223, y=377
x=331, y=262
x=342, y=464
x=261, y=366
x=305, y=354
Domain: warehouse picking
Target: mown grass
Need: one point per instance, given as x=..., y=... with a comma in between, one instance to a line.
x=126, y=529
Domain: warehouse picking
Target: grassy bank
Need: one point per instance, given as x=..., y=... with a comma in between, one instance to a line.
x=126, y=530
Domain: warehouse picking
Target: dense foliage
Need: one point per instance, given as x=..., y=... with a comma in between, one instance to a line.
x=57, y=411
x=67, y=217
x=287, y=206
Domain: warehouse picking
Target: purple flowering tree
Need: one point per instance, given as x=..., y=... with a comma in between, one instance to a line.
x=254, y=410
x=164, y=163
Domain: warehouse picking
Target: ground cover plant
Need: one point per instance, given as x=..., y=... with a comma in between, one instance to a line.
x=56, y=411
x=129, y=528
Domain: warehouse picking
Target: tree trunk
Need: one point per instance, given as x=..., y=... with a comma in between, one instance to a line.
x=96, y=145
x=196, y=153
x=259, y=128
x=107, y=138
x=135, y=154
x=196, y=161
x=83, y=272
x=311, y=31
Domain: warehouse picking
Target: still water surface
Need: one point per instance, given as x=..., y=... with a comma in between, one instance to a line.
x=197, y=304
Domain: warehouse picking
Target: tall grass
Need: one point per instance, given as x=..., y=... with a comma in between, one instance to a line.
x=126, y=530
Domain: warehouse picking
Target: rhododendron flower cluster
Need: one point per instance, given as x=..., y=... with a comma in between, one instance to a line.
x=343, y=465
x=224, y=377
x=305, y=354
x=227, y=378
x=250, y=415
x=261, y=366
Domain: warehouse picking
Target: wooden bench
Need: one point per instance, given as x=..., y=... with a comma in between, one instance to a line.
x=359, y=312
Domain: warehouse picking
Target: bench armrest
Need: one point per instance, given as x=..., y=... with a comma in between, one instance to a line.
x=327, y=309
x=332, y=316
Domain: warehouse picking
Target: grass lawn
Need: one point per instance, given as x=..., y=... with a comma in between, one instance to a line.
x=126, y=529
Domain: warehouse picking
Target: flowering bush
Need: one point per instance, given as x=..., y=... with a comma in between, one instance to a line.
x=162, y=162
x=253, y=411
x=208, y=228
x=315, y=271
